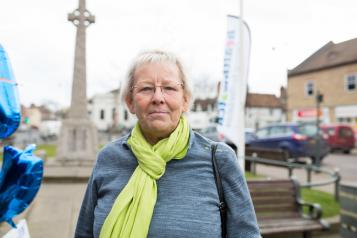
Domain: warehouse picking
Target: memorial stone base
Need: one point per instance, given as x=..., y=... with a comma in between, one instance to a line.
x=77, y=143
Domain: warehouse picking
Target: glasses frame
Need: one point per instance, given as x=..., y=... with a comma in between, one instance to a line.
x=155, y=86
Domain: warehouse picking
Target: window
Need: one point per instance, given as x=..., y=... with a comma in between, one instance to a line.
x=308, y=129
x=263, y=133
x=345, y=132
x=351, y=82
x=309, y=88
x=101, y=114
x=278, y=131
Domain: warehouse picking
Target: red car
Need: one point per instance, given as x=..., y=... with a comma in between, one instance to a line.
x=339, y=137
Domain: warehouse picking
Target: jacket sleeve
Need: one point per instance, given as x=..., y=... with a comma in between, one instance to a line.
x=241, y=218
x=84, y=228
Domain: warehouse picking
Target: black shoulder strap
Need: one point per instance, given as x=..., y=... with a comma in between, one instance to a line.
x=222, y=203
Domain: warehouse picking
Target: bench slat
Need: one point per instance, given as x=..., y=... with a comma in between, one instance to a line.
x=273, y=183
x=277, y=215
x=267, y=153
x=273, y=200
x=277, y=193
x=274, y=208
x=274, y=226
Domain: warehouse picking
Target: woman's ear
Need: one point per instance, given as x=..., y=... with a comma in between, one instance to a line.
x=186, y=104
x=130, y=104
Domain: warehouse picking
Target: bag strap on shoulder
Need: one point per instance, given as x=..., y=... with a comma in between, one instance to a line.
x=222, y=203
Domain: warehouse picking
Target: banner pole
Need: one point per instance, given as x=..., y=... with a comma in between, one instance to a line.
x=243, y=86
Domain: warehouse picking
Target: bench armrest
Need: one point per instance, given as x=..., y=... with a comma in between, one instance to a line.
x=315, y=211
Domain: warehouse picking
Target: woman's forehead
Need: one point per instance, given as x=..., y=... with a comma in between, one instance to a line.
x=165, y=71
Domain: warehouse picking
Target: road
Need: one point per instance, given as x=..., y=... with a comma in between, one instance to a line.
x=346, y=163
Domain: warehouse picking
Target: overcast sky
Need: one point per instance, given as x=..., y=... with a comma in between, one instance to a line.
x=40, y=41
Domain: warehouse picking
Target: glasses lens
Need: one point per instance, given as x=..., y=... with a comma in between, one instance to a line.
x=169, y=89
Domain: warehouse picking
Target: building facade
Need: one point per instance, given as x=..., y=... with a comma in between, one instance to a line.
x=262, y=110
x=108, y=112
x=332, y=73
x=203, y=113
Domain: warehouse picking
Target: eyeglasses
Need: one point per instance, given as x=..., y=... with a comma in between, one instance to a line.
x=148, y=89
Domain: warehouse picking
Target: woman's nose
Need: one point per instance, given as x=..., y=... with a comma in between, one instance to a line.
x=158, y=96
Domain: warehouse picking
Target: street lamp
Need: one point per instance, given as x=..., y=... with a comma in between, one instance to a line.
x=319, y=99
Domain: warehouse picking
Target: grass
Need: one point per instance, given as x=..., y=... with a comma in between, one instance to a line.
x=50, y=149
x=326, y=200
x=249, y=175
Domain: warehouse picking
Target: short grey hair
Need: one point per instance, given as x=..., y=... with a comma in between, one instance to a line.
x=154, y=56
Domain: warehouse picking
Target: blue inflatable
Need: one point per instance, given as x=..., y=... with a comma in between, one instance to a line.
x=10, y=111
x=20, y=180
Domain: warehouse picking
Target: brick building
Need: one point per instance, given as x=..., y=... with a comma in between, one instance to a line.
x=331, y=71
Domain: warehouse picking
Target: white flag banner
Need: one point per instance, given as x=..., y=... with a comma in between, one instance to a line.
x=233, y=87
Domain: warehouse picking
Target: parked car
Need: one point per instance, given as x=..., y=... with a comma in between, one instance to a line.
x=340, y=137
x=249, y=134
x=296, y=140
x=212, y=133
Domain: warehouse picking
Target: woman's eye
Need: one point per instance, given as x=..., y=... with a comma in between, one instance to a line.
x=146, y=89
x=170, y=88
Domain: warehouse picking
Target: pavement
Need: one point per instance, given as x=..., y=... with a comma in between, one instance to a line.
x=55, y=210
x=301, y=175
x=344, y=164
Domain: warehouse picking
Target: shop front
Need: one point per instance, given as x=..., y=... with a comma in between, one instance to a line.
x=310, y=115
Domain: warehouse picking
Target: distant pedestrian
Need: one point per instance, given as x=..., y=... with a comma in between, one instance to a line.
x=158, y=181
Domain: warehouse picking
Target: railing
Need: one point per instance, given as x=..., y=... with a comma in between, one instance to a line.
x=335, y=176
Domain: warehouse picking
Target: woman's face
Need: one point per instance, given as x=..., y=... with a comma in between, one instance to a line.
x=157, y=99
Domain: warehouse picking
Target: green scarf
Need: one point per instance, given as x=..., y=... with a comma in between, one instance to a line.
x=132, y=210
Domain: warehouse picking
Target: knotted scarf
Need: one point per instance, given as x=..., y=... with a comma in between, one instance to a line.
x=132, y=210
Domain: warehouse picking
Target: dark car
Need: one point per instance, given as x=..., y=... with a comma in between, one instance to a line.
x=297, y=140
x=340, y=137
x=212, y=133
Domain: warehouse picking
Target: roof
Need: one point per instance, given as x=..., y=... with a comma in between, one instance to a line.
x=262, y=100
x=329, y=56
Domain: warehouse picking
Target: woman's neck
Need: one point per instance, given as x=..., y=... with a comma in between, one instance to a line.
x=153, y=139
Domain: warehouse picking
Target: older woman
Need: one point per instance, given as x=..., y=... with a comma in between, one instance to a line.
x=158, y=181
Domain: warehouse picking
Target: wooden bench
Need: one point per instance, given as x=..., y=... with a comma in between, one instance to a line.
x=279, y=208
x=275, y=154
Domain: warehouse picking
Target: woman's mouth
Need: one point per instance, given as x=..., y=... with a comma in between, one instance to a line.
x=158, y=112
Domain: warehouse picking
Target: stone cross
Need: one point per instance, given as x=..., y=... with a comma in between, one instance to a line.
x=81, y=18
x=77, y=143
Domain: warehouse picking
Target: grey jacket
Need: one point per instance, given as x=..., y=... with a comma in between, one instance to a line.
x=187, y=202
